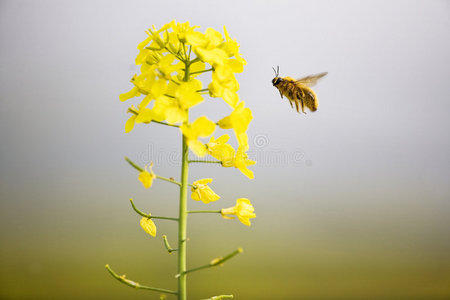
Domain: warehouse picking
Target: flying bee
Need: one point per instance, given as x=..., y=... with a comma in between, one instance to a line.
x=298, y=91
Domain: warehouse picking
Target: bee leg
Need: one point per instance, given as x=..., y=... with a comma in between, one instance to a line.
x=303, y=106
x=290, y=102
x=296, y=104
x=281, y=94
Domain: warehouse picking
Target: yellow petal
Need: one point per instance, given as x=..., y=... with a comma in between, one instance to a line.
x=144, y=116
x=158, y=88
x=197, y=67
x=203, y=127
x=230, y=97
x=225, y=123
x=214, y=37
x=196, y=39
x=197, y=147
x=203, y=181
x=129, y=125
x=134, y=92
x=146, y=178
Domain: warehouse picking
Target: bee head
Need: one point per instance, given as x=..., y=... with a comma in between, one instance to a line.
x=277, y=79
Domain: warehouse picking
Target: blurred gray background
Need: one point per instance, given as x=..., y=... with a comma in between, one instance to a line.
x=352, y=201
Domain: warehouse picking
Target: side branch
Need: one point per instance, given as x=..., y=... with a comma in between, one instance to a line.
x=148, y=215
x=134, y=165
x=205, y=161
x=204, y=71
x=166, y=244
x=215, y=262
x=136, y=285
x=203, y=211
x=154, y=121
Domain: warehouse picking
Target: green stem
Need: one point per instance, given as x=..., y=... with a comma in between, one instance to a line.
x=153, y=121
x=205, y=161
x=136, y=285
x=203, y=211
x=204, y=71
x=168, y=180
x=174, y=54
x=182, y=216
x=194, y=61
x=213, y=263
x=166, y=243
x=133, y=164
x=164, y=123
x=148, y=215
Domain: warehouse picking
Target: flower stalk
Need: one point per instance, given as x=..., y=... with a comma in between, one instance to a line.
x=215, y=262
x=148, y=215
x=169, y=87
x=182, y=223
x=136, y=285
x=182, y=216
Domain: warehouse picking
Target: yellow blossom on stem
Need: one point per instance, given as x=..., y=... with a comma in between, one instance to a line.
x=187, y=94
x=243, y=210
x=202, y=127
x=239, y=119
x=220, y=150
x=201, y=191
x=148, y=225
x=181, y=29
x=166, y=108
x=241, y=162
x=147, y=177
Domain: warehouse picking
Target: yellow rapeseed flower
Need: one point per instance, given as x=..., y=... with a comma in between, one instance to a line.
x=202, y=127
x=187, y=94
x=239, y=119
x=241, y=162
x=201, y=191
x=168, y=109
x=147, y=177
x=220, y=150
x=243, y=210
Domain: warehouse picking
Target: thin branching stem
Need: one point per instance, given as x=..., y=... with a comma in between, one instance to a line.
x=148, y=215
x=136, y=285
x=215, y=262
x=153, y=121
x=134, y=165
x=204, y=71
x=204, y=211
x=205, y=161
x=167, y=245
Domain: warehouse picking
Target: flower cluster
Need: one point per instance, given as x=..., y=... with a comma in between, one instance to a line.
x=170, y=59
x=168, y=88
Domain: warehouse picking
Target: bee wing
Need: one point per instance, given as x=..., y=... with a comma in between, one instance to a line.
x=311, y=80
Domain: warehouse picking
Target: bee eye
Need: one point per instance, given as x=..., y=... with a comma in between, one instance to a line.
x=276, y=80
